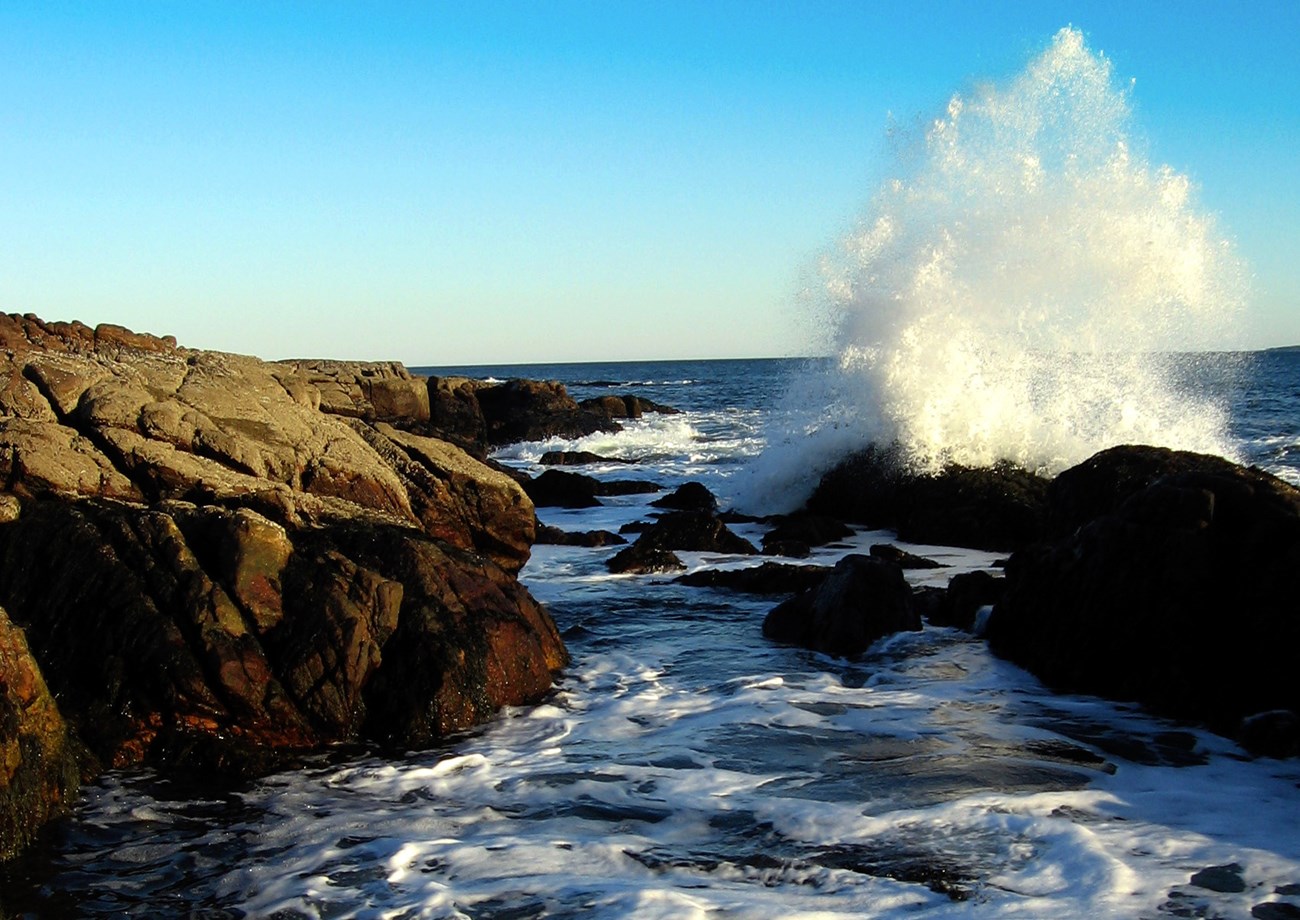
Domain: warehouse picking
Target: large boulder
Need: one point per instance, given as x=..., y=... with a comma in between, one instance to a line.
x=1183, y=593
x=218, y=560
x=860, y=601
x=455, y=414
x=534, y=410
x=996, y=508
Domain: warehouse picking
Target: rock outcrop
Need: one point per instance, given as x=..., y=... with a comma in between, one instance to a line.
x=996, y=508
x=1174, y=583
x=215, y=560
x=861, y=600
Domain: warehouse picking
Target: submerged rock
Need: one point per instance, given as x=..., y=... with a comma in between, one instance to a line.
x=1182, y=596
x=861, y=600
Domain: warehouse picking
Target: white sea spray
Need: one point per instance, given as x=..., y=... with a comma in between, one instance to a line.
x=1017, y=293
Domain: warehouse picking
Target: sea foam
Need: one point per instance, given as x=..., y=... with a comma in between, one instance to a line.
x=1019, y=292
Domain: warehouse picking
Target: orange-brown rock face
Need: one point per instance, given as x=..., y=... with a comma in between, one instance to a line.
x=38, y=773
x=217, y=559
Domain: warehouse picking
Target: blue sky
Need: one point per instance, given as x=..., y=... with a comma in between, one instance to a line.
x=504, y=182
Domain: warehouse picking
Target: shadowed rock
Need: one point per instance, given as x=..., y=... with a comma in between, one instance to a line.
x=691, y=496
x=998, y=507
x=860, y=601
x=1183, y=597
x=554, y=536
x=767, y=578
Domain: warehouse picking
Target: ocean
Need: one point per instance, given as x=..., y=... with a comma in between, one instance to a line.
x=686, y=767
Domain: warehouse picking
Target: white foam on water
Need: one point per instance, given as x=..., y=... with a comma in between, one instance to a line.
x=1012, y=295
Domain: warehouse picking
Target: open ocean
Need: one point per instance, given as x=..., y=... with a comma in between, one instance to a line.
x=686, y=767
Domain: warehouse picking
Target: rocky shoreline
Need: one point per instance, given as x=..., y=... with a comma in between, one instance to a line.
x=214, y=563
x=218, y=564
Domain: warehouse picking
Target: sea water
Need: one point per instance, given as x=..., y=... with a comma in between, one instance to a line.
x=686, y=767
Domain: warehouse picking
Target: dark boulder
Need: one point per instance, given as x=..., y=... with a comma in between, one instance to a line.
x=691, y=531
x=966, y=595
x=999, y=507
x=1184, y=597
x=1103, y=482
x=902, y=558
x=534, y=410
x=691, y=496
x=554, y=536
x=643, y=559
x=561, y=489
x=577, y=458
x=625, y=406
x=455, y=413
x=805, y=531
x=860, y=601
x=695, y=531
x=627, y=487
x=768, y=578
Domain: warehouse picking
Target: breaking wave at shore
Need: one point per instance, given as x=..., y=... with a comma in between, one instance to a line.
x=1019, y=292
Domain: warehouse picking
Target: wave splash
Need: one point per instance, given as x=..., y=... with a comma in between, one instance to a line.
x=1020, y=294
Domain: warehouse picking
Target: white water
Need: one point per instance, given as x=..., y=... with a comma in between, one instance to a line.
x=1009, y=295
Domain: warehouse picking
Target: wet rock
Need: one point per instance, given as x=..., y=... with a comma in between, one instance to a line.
x=691, y=496
x=561, y=489
x=967, y=594
x=534, y=410
x=626, y=406
x=641, y=559
x=768, y=578
x=38, y=767
x=791, y=549
x=902, y=558
x=1224, y=879
x=860, y=601
x=1182, y=598
x=554, y=536
x=996, y=508
x=803, y=530
x=1101, y=484
x=694, y=531
x=577, y=458
x=1271, y=734
x=627, y=487
x=1275, y=910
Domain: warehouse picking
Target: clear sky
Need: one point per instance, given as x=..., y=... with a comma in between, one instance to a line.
x=477, y=182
